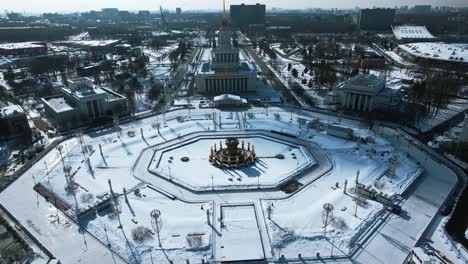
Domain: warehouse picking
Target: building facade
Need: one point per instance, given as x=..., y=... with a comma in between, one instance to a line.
x=229, y=100
x=225, y=72
x=23, y=48
x=245, y=15
x=14, y=124
x=371, y=60
x=83, y=102
x=366, y=93
x=378, y=19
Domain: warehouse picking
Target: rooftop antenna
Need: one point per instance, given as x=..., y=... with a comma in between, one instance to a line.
x=225, y=20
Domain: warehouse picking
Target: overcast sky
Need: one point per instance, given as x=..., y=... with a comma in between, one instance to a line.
x=39, y=6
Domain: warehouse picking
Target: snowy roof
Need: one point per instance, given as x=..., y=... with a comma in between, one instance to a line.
x=411, y=32
x=57, y=84
x=159, y=34
x=11, y=110
x=227, y=97
x=366, y=83
x=20, y=45
x=436, y=51
x=340, y=129
x=92, y=43
x=82, y=87
x=59, y=104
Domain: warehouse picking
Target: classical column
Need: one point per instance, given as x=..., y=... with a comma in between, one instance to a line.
x=366, y=103
x=344, y=102
x=360, y=107
x=357, y=102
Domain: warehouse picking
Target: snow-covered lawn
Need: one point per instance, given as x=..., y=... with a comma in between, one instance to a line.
x=267, y=171
x=185, y=233
x=296, y=223
x=120, y=150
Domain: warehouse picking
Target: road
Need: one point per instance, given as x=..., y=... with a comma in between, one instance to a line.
x=273, y=76
x=388, y=244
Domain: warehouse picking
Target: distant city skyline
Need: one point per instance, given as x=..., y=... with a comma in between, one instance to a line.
x=134, y=5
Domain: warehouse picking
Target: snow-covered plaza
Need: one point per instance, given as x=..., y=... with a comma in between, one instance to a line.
x=144, y=191
x=277, y=161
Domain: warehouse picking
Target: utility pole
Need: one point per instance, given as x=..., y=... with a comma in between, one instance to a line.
x=212, y=182
x=327, y=216
x=156, y=223
x=357, y=194
x=80, y=139
x=115, y=203
x=66, y=170
x=47, y=172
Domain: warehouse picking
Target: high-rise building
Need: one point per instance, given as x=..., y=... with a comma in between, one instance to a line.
x=178, y=10
x=376, y=19
x=421, y=9
x=110, y=11
x=245, y=15
x=144, y=13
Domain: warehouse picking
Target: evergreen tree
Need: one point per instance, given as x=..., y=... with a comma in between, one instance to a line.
x=155, y=91
x=294, y=73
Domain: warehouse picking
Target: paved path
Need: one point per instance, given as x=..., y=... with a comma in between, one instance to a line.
x=65, y=241
x=390, y=244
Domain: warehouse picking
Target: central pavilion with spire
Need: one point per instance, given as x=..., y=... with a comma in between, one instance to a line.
x=226, y=71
